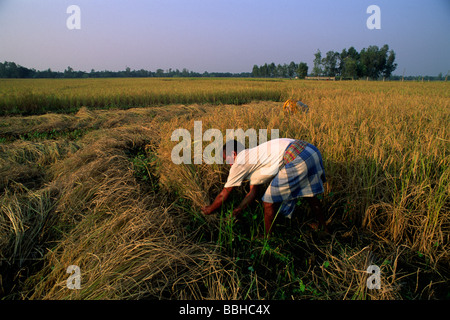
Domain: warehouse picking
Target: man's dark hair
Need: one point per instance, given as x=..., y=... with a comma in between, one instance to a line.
x=232, y=145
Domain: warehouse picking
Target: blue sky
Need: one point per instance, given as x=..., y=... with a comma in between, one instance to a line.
x=219, y=35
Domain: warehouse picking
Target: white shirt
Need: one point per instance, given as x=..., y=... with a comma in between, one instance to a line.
x=259, y=164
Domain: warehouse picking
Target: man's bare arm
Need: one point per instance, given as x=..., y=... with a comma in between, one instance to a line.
x=251, y=195
x=220, y=199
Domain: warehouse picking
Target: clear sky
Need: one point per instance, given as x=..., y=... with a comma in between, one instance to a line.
x=219, y=35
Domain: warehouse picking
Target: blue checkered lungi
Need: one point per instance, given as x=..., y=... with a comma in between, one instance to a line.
x=302, y=177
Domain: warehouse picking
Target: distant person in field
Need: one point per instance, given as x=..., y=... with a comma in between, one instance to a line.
x=294, y=169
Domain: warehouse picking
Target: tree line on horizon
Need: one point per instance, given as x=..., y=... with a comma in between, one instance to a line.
x=13, y=70
x=372, y=62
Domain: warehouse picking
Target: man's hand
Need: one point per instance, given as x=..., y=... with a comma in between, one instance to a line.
x=207, y=210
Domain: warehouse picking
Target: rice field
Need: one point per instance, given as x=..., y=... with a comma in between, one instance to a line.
x=39, y=96
x=86, y=179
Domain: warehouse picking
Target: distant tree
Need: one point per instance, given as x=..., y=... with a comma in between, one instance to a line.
x=264, y=70
x=291, y=69
x=349, y=68
x=272, y=70
x=390, y=64
x=184, y=72
x=282, y=71
x=160, y=72
x=371, y=66
x=302, y=70
x=330, y=64
x=279, y=71
x=68, y=73
x=353, y=53
x=341, y=60
x=317, y=68
x=141, y=73
x=256, y=72
x=377, y=61
x=12, y=70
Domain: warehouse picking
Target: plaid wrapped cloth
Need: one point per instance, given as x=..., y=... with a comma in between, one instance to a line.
x=293, y=150
x=302, y=176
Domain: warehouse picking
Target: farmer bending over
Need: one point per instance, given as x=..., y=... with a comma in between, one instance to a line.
x=294, y=168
